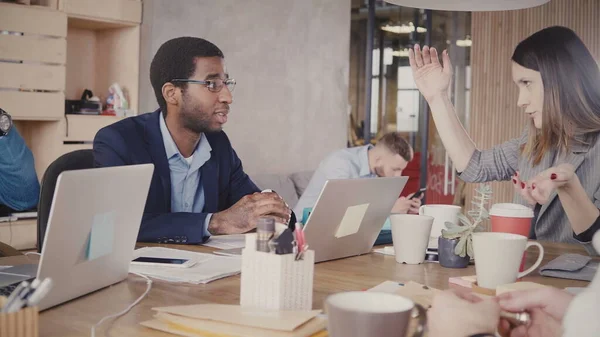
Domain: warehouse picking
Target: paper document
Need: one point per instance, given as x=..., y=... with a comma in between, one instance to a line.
x=25, y=215
x=226, y=241
x=208, y=267
x=8, y=218
x=388, y=250
x=286, y=320
x=232, y=320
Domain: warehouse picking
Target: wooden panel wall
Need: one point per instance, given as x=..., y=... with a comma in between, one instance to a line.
x=495, y=116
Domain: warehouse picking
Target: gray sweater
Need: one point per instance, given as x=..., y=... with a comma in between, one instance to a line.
x=501, y=162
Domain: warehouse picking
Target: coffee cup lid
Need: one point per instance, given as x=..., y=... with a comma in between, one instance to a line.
x=511, y=211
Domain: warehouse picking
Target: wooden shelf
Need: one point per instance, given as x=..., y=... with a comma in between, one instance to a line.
x=65, y=48
x=107, y=11
x=91, y=23
x=20, y=234
x=98, y=58
x=81, y=128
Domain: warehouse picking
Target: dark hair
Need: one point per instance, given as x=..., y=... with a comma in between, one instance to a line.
x=394, y=142
x=571, y=80
x=176, y=58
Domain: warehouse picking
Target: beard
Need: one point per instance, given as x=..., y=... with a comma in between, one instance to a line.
x=194, y=119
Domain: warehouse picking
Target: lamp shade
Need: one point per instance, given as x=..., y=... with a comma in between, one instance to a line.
x=469, y=5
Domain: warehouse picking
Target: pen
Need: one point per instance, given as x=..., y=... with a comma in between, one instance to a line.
x=265, y=229
x=41, y=291
x=17, y=301
x=301, y=242
x=14, y=295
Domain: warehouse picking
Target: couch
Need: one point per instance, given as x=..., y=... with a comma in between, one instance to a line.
x=289, y=186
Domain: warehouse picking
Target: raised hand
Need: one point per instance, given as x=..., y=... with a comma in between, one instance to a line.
x=431, y=77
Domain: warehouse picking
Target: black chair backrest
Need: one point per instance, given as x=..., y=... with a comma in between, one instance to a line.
x=76, y=160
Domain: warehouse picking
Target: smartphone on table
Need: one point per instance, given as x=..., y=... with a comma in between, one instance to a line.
x=164, y=262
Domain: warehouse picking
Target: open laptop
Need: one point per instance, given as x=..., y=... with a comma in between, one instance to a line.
x=92, y=230
x=349, y=215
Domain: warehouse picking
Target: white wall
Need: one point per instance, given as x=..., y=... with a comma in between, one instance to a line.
x=290, y=59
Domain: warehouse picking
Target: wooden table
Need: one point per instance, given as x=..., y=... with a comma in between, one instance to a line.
x=76, y=317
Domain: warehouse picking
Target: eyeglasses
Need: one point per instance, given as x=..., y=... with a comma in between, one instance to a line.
x=215, y=85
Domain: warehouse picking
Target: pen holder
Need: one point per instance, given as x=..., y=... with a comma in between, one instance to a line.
x=23, y=323
x=276, y=282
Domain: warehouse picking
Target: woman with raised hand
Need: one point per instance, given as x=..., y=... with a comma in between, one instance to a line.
x=558, y=154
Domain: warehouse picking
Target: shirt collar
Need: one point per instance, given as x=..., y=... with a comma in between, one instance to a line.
x=201, y=153
x=363, y=160
x=170, y=147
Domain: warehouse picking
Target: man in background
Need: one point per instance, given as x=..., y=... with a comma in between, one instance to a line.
x=388, y=158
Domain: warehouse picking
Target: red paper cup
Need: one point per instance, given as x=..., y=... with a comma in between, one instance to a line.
x=512, y=218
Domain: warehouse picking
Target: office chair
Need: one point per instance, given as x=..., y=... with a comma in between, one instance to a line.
x=76, y=160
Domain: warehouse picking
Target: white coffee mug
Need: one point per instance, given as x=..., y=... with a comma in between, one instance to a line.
x=410, y=235
x=373, y=314
x=498, y=257
x=441, y=214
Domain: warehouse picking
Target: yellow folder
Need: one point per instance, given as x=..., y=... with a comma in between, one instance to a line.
x=218, y=320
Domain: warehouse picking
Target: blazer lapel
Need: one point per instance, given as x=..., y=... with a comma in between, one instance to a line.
x=575, y=158
x=210, y=180
x=156, y=147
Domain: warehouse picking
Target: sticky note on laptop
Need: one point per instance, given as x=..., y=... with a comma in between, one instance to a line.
x=351, y=221
x=100, y=242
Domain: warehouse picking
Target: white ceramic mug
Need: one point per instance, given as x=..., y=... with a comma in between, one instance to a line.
x=410, y=234
x=373, y=314
x=441, y=214
x=498, y=257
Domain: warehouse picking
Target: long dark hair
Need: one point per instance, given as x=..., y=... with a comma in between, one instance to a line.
x=571, y=80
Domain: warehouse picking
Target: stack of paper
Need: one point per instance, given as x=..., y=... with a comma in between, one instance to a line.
x=25, y=215
x=8, y=218
x=208, y=267
x=226, y=241
x=220, y=320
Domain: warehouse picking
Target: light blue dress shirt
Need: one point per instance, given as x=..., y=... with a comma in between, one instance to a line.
x=187, y=192
x=346, y=163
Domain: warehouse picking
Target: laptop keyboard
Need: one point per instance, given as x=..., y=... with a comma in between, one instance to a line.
x=7, y=290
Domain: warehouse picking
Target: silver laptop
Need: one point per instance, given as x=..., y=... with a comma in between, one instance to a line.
x=349, y=215
x=92, y=230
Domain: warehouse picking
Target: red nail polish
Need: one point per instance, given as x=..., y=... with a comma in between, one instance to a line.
x=553, y=176
x=514, y=181
x=533, y=186
x=522, y=185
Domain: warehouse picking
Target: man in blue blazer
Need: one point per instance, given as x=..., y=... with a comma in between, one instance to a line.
x=199, y=186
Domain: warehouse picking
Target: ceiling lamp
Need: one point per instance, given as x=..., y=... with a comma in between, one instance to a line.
x=464, y=43
x=400, y=53
x=403, y=29
x=469, y=5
